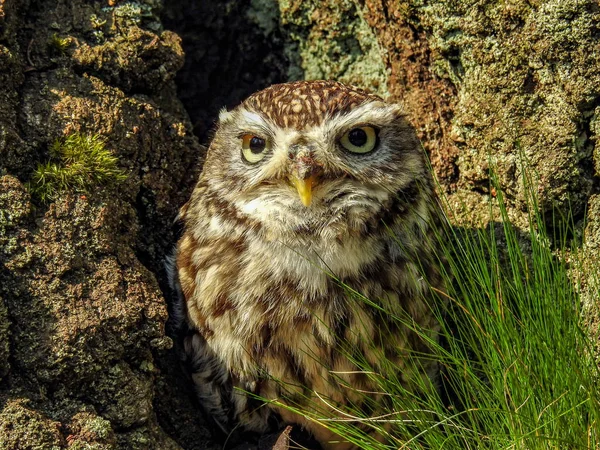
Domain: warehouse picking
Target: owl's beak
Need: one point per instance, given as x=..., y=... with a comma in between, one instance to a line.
x=304, y=188
x=305, y=174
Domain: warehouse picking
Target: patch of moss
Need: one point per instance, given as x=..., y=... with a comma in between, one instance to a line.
x=58, y=43
x=79, y=162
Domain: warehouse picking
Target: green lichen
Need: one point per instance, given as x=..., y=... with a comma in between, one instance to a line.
x=79, y=162
x=91, y=432
x=528, y=81
x=99, y=427
x=133, y=11
x=14, y=209
x=136, y=13
x=23, y=427
x=97, y=22
x=265, y=14
x=334, y=41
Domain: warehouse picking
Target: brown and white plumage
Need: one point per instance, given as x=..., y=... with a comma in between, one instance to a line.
x=286, y=209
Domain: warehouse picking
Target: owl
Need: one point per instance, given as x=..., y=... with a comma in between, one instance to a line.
x=314, y=196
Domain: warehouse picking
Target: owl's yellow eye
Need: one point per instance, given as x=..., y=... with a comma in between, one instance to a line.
x=254, y=148
x=359, y=139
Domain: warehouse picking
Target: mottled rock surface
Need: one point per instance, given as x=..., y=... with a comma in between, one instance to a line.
x=82, y=316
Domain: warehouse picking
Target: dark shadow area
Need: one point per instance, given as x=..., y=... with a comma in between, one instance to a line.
x=232, y=49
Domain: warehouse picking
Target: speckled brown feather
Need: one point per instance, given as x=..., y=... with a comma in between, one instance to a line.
x=261, y=274
x=304, y=103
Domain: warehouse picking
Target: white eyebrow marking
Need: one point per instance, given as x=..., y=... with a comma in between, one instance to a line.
x=255, y=119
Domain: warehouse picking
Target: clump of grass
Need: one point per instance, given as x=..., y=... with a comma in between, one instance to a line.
x=79, y=162
x=517, y=368
x=61, y=44
x=518, y=365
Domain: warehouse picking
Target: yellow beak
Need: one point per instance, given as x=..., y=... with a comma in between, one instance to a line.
x=304, y=188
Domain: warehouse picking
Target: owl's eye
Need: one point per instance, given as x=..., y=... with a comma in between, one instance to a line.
x=253, y=148
x=359, y=139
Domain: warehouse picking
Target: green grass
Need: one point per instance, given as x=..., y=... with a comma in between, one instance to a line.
x=79, y=162
x=517, y=368
x=518, y=365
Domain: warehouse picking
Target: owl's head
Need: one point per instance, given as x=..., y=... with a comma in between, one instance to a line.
x=312, y=154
